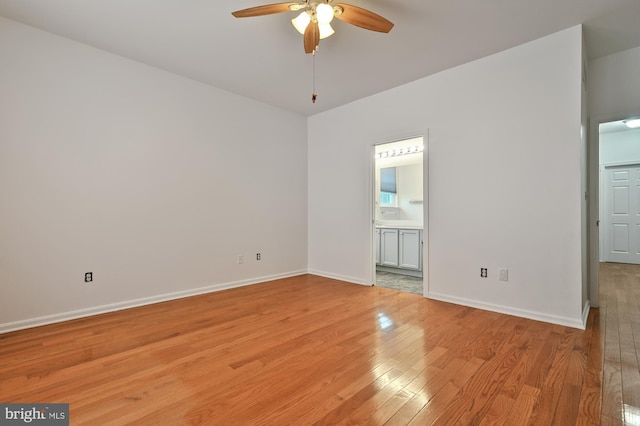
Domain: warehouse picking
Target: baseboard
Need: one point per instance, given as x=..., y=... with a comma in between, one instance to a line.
x=82, y=313
x=338, y=277
x=585, y=314
x=553, y=319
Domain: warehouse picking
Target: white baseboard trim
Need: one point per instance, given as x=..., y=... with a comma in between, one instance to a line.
x=82, y=313
x=338, y=277
x=553, y=319
x=585, y=314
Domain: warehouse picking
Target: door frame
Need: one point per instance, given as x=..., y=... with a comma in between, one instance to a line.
x=593, y=189
x=425, y=207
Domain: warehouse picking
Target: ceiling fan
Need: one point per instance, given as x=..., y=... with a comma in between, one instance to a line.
x=314, y=21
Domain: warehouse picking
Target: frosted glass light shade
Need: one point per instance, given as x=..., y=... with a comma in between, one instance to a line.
x=324, y=12
x=325, y=30
x=301, y=21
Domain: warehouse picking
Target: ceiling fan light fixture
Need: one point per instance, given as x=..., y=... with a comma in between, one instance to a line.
x=315, y=17
x=325, y=30
x=324, y=13
x=301, y=21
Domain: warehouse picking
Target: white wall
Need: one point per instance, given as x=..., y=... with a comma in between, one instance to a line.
x=614, y=86
x=410, y=192
x=153, y=182
x=504, y=177
x=620, y=147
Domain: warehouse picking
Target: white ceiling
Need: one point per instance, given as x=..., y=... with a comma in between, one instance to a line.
x=263, y=57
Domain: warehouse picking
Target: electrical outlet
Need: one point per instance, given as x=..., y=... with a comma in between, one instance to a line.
x=258, y=256
x=88, y=277
x=504, y=275
x=240, y=259
x=483, y=272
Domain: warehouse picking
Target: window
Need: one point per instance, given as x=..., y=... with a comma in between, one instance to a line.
x=388, y=186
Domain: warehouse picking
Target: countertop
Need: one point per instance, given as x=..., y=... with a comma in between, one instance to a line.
x=399, y=226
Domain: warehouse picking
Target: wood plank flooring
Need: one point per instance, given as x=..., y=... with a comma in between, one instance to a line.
x=620, y=329
x=314, y=351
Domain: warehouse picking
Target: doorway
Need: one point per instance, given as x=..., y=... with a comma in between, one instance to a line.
x=619, y=205
x=613, y=146
x=399, y=213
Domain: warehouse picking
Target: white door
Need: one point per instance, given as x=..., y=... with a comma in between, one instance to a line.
x=622, y=214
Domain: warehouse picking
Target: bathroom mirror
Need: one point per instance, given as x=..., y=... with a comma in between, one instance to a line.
x=399, y=188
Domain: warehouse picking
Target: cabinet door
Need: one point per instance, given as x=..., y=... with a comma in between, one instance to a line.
x=410, y=253
x=389, y=247
x=377, y=246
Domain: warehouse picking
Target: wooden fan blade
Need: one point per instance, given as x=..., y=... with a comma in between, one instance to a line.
x=311, y=37
x=268, y=9
x=363, y=18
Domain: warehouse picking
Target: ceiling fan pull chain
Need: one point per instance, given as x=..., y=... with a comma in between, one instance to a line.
x=315, y=95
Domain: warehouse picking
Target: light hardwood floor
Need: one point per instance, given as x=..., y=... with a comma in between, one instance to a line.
x=619, y=327
x=311, y=350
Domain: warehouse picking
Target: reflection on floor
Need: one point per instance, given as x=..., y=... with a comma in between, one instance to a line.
x=399, y=282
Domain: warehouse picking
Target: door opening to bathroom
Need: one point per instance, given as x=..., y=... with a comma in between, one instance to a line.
x=399, y=215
